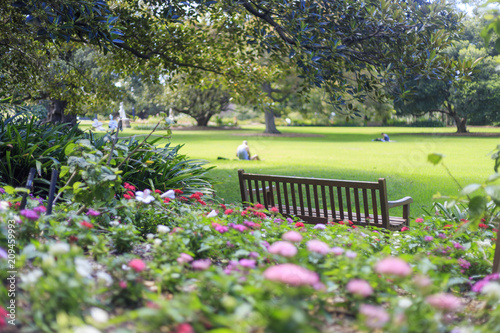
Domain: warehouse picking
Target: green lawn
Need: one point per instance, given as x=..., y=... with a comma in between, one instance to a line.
x=347, y=153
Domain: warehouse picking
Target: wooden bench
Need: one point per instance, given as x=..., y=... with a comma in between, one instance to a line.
x=321, y=200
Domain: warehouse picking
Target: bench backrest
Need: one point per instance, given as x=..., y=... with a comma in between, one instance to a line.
x=318, y=200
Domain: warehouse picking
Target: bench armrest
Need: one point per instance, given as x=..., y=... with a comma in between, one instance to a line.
x=400, y=202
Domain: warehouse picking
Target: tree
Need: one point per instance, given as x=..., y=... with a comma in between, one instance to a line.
x=391, y=41
x=198, y=102
x=477, y=98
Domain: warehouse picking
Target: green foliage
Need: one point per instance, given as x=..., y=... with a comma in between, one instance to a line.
x=27, y=143
x=124, y=237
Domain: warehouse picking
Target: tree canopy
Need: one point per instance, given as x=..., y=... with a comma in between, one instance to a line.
x=378, y=41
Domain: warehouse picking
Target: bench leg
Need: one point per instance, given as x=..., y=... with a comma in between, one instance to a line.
x=406, y=214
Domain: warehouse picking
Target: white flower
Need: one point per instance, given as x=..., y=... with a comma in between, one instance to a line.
x=83, y=267
x=169, y=194
x=157, y=241
x=213, y=213
x=48, y=261
x=104, y=277
x=86, y=329
x=125, y=267
x=485, y=243
x=59, y=248
x=114, y=223
x=150, y=236
x=32, y=276
x=145, y=196
x=404, y=303
x=99, y=315
x=491, y=289
x=4, y=205
x=162, y=229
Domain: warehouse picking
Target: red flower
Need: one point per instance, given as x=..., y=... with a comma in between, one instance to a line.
x=126, y=196
x=447, y=226
x=299, y=224
x=260, y=214
x=404, y=229
x=228, y=211
x=258, y=206
x=3, y=315
x=132, y=194
x=73, y=239
x=482, y=225
x=203, y=203
x=223, y=206
x=183, y=199
x=18, y=204
x=166, y=200
x=128, y=186
x=341, y=222
x=158, y=191
x=494, y=230
x=350, y=222
x=195, y=196
x=354, y=226
x=137, y=265
x=152, y=305
x=274, y=210
x=86, y=225
x=177, y=191
x=243, y=213
x=184, y=328
x=176, y=229
x=483, y=220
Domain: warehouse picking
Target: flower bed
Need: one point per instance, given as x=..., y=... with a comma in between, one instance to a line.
x=175, y=262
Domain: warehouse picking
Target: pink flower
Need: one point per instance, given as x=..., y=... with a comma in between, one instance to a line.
x=422, y=280
x=282, y=248
x=248, y=263
x=92, y=212
x=201, y=265
x=228, y=211
x=393, y=266
x=292, y=236
x=274, y=210
x=404, y=229
x=376, y=316
x=122, y=284
x=428, y=238
x=184, y=258
x=291, y=274
x=444, y=301
x=137, y=265
x=337, y=250
x=29, y=214
x=419, y=220
x=258, y=206
x=40, y=209
x=299, y=224
x=184, y=328
x=359, y=287
x=318, y=246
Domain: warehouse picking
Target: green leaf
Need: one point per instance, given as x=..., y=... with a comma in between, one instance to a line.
x=69, y=148
x=494, y=192
x=493, y=177
x=469, y=189
x=477, y=207
x=76, y=185
x=9, y=189
x=435, y=158
x=64, y=171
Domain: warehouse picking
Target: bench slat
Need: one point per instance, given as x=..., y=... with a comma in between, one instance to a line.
x=315, y=181
x=285, y=192
x=332, y=202
x=356, y=202
x=348, y=202
x=341, y=202
x=278, y=194
x=323, y=197
x=374, y=204
x=365, y=202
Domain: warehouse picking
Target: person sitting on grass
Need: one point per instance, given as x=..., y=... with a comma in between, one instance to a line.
x=243, y=152
x=385, y=138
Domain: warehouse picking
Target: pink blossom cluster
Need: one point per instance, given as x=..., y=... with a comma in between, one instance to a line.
x=481, y=283
x=375, y=316
x=292, y=274
x=184, y=258
x=393, y=266
x=220, y=228
x=359, y=287
x=237, y=227
x=201, y=264
x=292, y=236
x=318, y=247
x=444, y=301
x=283, y=248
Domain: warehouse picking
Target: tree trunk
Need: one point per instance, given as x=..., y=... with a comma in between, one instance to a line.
x=56, y=113
x=461, y=123
x=202, y=120
x=270, y=125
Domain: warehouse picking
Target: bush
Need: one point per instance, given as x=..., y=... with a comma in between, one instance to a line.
x=27, y=143
x=427, y=123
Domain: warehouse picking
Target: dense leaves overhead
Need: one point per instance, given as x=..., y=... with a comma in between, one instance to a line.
x=379, y=41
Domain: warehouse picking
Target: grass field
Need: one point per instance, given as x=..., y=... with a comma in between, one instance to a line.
x=347, y=153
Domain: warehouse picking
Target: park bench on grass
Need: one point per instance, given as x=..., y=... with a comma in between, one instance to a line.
x=321, y=200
